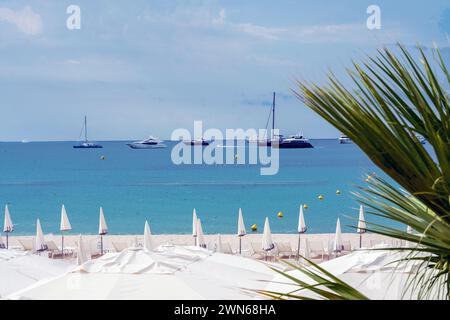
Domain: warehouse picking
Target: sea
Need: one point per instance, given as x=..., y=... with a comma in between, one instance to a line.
x=133, y=186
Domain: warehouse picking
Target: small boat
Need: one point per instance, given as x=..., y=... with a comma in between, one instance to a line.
x=150, y=143
x=86, y=144
x=343, y=139
x=197, y=142
x=292, y=142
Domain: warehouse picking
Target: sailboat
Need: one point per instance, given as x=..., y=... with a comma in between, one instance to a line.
x=291, y=142
x=86, y=144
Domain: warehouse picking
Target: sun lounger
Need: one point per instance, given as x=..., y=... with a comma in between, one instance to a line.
x=53, y=249
x=258, y=251
x=27, y=244
x=316, y=250
x=226, y=248
x=284, y=250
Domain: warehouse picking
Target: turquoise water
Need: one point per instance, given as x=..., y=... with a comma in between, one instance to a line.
x=135, y=185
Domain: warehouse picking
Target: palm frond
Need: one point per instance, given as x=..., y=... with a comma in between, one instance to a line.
x=395, y=97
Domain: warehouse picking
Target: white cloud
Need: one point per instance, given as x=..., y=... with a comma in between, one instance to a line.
x=26, y=20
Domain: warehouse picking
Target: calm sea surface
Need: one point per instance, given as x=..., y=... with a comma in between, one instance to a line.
x=135, y=185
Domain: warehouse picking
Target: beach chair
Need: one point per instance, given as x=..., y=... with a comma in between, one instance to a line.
x=27, y=244
x=377, y=243
x=119, y=246
x=258, y=251
x=284, y=250
x=316, y=250
x=226, y=248
x=53, y=249
x=347, y=247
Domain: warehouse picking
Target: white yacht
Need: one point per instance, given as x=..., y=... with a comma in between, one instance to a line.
x=343, y=139
x=150, y=143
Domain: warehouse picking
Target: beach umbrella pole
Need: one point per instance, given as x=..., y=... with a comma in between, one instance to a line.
x=360, y=240
x=101, y=244
x=7, y=241
x=298, y=247
x=240, y=245
x=62, y=243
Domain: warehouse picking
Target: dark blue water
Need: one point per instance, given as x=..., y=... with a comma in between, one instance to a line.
x=135, y=185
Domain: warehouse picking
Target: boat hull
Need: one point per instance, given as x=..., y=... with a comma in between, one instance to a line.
x=293, y=145
x=143, y=147
x=88, y=147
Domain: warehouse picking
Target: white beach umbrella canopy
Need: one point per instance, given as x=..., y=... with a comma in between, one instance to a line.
x=147, y=237
x=65, y=223
x=82, y=255
x=267, y=242
x=194, y=223
x=8, y=225
x=301, y=221
x=200, y=237
x=102, y=226
x=241, y=226
x=361, y=221
x=39, y=240
x=337, y=243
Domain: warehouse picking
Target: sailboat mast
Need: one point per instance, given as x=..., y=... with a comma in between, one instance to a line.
x=85, y=129
x=273, y=115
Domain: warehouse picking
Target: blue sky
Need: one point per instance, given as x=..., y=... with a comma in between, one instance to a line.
x=147, y=67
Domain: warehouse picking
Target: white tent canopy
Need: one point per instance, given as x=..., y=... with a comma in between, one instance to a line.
x=194, y=223
x=375, y=273
x=19, y=270
x=169, y=272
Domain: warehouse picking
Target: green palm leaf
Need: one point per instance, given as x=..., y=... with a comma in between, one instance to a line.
x=394, y=98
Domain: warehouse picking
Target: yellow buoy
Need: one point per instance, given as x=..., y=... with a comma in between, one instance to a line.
x=254, y=227
x=280, y=214
x=305, y=206
x=338, y=192
x=320, y=197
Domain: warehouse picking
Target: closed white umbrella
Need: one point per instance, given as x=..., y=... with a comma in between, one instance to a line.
x=8, y=225
x=147, y=237
x=102, y=228
x=82, y=255
x=194, y=226
x=267, y=242
x=200, y=237
x=361, y=225
x=64, y=226
x=241, y=229
x=219, y=243
x=301, y=228
x=337, y=244
x=40, y=244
